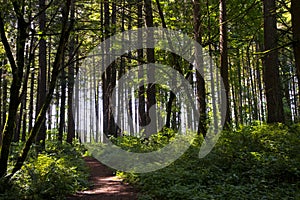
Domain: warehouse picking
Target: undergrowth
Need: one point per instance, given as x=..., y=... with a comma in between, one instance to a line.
x=253, y=162
x=52, y=174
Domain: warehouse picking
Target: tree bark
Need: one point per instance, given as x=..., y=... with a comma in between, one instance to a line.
x=200, y=83
x=151, y=90
x=62, y=105
x=271, y=65
x=31, y=97
x=142, y=101
x=106, y=74
x=295, y=10
x=42, y=78
x=224, y=57
x=113, y=74
x=71, y=123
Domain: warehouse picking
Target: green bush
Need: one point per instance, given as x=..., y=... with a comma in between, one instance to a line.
x=253, y=162
x=54, y=173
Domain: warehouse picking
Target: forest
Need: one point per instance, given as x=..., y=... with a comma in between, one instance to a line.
x=186, y=99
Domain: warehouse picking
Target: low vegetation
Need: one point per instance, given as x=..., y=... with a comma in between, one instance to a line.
x=253, y=162
x=52, y=174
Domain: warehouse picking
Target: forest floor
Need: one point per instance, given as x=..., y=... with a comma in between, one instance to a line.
x=105, y=185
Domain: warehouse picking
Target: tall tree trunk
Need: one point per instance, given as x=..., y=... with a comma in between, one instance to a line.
x=41, y=136
x=260, y=85
x=140, y=52
x=71, y=123
x=224, y=57
x=200, y=83
x=3, y=100
x=113, y=74
x=0, y=103
x=106, y=74
x=295, y=10
x=50, y=120
x=271, y=65
x=151, y=90
x=62, y=105
x=240, y=89
x=233, y=77
x=31, y=97
x=253, y=86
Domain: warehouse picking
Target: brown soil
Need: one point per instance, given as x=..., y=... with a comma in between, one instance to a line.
x=105, y=185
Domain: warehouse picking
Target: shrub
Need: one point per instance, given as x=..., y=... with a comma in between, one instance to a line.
x=58, y=171
x=253, y=162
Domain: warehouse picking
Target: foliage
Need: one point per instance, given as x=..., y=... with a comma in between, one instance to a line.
x=253, y=162
x=58, y=171
x=136, y=144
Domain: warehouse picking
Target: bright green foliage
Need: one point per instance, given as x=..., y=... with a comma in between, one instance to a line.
x=254, y=162
x=53, y=174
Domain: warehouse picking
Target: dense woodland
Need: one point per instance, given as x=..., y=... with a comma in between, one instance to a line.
x=52, y=100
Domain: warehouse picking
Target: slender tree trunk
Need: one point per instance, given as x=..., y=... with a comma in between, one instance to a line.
x=50, y=120
x=31, y=97
x=4, y=99
x=295, y=10
x=213, y=90
x=121, y=101
x=113, y=74
x=295, y=99
x=62, y=105
x=1, y=103
x=142, y=101
x=151, y=90
x=41, y=136
x=106, y=74
x=240, y=89
x=252, y=96
x=224, y=57
x=77, y=97
x=260, y=86
x=200, y=83
x=271, y=65
x=71, y=123
x=234, y=100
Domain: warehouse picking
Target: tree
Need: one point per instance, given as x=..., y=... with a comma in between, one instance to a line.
x=62, y=109
x=200, y=83
x=151, y=90
x=71, y=123
x=17, y=70
x=271, y=65
x=106, y=74
x=295, y=10
x=42, y=78
x=224, y=56
x=140, y=52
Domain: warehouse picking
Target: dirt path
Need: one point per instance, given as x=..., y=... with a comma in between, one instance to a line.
x=105, y=184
